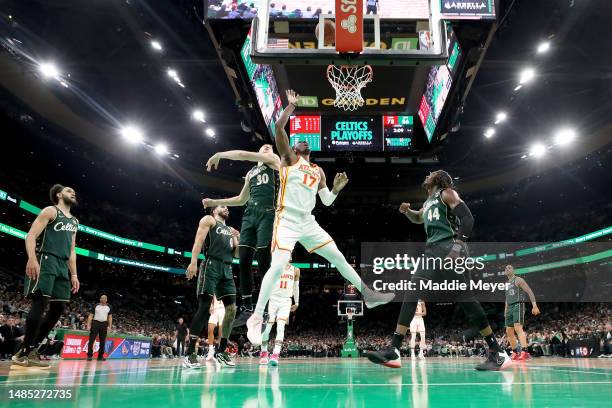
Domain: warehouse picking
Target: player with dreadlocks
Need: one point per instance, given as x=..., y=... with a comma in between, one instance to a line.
x=448, y=224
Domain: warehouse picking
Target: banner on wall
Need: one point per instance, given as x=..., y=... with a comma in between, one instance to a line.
x=75, y=347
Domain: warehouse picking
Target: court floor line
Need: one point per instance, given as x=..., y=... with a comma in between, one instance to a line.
x=344, y=385
x=567, y=370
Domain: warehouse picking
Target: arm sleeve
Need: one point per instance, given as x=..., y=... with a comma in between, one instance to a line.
x=467, y=221
x=296, y=292
x=327, y=197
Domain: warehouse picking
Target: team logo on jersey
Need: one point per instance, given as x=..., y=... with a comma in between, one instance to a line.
x=60, y=226
x=223, y=231
x=429, y=203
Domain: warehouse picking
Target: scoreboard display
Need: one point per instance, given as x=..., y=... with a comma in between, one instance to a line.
x=354, y=133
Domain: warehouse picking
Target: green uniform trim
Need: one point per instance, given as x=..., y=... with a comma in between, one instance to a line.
x=53, y=281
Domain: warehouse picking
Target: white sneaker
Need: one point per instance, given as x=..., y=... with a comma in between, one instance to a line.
x=254, y=329
x=211, y=354
x=421, y=356
x=412, y=356
x=191, y=361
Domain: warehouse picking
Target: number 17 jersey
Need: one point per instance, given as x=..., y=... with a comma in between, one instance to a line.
x=299, y=185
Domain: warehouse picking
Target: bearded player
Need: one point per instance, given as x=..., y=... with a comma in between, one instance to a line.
x=220, y=243
x=514, y=313
x=448, y=225
x=278, y=312
x=301, y=181
x=259, y=196
x=51, y=271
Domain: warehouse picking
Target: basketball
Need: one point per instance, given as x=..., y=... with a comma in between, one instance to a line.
x=329, y=30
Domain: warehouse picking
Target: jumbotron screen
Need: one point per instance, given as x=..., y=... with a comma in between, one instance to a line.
x=354, y=133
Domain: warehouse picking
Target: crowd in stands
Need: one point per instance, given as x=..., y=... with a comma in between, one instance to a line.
x=230, y=9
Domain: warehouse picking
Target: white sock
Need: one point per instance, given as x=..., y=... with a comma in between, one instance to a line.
x=277, y=347
x=280, y=258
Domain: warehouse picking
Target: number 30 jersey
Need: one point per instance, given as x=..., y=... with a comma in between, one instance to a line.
x=299, y=185
x=263, y=182
x=439, y=222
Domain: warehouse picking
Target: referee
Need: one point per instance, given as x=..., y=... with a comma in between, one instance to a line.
x=99, y=323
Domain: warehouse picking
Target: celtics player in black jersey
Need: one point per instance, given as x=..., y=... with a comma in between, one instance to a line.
x=51, y=271
x=514, y=313
x=259, y=195
x=448, y=224
x=219, y=243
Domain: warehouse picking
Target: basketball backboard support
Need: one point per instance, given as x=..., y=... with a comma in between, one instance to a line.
x=432, y=49
x=353, y=307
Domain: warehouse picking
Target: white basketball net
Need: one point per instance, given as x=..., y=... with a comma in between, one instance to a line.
x=348, y=81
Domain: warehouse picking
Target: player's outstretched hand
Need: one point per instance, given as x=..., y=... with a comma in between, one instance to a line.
x=292, y=97
x=535, y=311
x=208, y=202
x=404, y=207
x=213, y=162
x=192, y=270
x=340, y=181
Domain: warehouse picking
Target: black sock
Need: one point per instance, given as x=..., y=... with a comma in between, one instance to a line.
x=397, y=340
x=222, y=345
x=33, y=321
x=247, y=302
x=192, y=344
x=492, y=342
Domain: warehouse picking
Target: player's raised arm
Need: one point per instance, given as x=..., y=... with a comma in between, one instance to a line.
x=524, y=286
x=288, y=156
x=416, y=217
x=237, y=201
x=328, y=197
x=269, y=158
x=47, y=215
x=203, y=227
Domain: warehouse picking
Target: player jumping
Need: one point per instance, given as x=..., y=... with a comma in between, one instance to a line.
x=448, y=224
x=51, y=271
x=515, y=313
x=278, y=312
x=417, y=325
x=259, y=195
x=220, y=242
x=301, y=181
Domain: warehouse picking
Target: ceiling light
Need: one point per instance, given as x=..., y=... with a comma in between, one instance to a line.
x=543, y=47
x=564, y=137
x=132, y=134
x=210, y=132
x=489, y=133
x=161, y=149
x=49, y=70
x=527, y=75
x=156, y=45
x=500, y=117
x=537, y=150
x=198, y=115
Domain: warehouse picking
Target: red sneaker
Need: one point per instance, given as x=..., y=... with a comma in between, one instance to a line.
x=514, y=356
x=524, y=356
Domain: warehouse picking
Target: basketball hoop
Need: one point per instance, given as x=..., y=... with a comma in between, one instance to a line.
x=348, y=81
x=350, y=311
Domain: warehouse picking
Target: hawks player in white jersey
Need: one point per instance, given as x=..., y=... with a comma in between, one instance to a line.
x=301, y=181
x=417, y=325
x=278, y=312
x=217, y=314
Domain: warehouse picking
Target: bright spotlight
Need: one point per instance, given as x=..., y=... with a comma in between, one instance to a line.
x=527, y=75
x=161, y=149
x=500, y=117
x=132, y=134
x=518, y=87
x=489, y=133
x=49, y=70
x=173, y=74
x=564, y=137
x=537, y=150
x=543, y=47
x=156, y=45
x=210, y=132
x=198, y=115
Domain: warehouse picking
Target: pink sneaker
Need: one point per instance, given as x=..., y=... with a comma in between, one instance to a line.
x=274, y=360
x=263, y=358
x=254, y=329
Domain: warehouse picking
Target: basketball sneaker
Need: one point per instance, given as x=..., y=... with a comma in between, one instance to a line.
x=245, y=314
x=254, y=329
x=421, y=356
x=524, y=356
x=191, y=361
x=374, y=299
x=20, y=358
x=223, y=359
x=389, y=357
x=495, y=361
x=263, y=358
x=412, y=356
x=514, y=355
x=274, y=359
x=35, y=361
